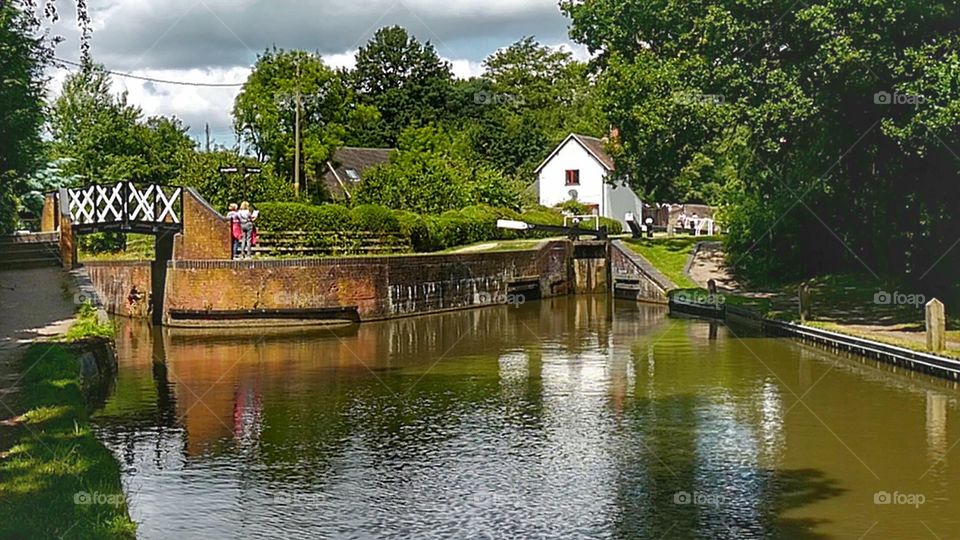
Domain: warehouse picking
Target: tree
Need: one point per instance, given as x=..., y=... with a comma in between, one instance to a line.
x=782, y=112
x=32, y=8
x=533, y=97
x=403, y=79
x=265, y=111
x=22, y=59
x=103, y=138
x=430, y=174
x=202, y=171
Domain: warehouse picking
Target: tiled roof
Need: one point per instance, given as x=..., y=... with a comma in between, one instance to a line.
x=596, y=147
x=348, y=164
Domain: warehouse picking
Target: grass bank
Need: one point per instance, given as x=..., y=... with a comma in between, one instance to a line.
x=670, y=255
x=56, y=479
x=862, y=306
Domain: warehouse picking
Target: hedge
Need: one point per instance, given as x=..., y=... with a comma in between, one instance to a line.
x=426, y=232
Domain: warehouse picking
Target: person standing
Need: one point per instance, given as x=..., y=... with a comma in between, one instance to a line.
x=246, y=217
x=235, y=233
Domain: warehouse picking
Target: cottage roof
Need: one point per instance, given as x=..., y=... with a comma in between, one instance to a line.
x=594, y=146
x=347, y=166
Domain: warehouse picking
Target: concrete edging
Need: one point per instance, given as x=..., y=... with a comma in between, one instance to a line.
x=939, y=366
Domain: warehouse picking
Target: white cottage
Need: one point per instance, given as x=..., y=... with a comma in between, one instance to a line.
x=578, y=170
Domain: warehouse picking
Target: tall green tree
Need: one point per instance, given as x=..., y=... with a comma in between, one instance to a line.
x=828, y=128
x=431, y=173
x=22, y=59
x=534, y=97
x=403, y=79
x=103, y=138
x=265, y=112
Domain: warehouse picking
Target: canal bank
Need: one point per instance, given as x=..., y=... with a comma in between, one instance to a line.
x=938, y=366
x=56, y=479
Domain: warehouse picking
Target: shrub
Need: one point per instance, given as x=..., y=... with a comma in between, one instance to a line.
x=105, y=242
x=453, y=228
x=613, y=226
x=574, y=207
x=303, y=217
x=415, y=227
x=374, y=218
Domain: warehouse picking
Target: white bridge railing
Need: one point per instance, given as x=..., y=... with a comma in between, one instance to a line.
x=125, y=206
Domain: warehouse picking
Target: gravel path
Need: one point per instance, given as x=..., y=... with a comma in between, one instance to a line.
x=709, y=264
x=33, y=305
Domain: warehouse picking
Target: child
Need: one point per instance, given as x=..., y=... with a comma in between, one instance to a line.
x=235, y=233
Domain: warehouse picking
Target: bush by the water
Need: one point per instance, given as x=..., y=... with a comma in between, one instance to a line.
x=426, y=232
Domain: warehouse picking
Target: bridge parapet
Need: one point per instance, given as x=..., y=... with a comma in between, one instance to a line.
x=206, y=233
x=125, y=207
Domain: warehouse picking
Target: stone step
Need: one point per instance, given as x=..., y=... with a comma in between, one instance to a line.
x=34, y=238
x=21, y=264
x=12, y=250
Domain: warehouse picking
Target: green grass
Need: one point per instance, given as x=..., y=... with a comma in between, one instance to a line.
x=140, y=247
x=670, y=255
x=888, y=339
x=849, y=299
x=54, y=464
x=761, y=306
x=87, y=325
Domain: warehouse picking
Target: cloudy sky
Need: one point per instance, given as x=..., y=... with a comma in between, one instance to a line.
x=216, y=41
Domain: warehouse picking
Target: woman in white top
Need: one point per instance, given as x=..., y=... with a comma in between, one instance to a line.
x=246, y=219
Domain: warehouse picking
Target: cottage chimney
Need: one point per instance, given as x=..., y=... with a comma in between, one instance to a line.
x=613, y=139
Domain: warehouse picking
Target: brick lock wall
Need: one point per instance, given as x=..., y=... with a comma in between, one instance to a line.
x=123, y=287
x=380, y=287
x=653, y=288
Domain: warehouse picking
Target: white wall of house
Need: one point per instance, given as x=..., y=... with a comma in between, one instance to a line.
x=613, y=202
x=621, y=200
x=572, y=156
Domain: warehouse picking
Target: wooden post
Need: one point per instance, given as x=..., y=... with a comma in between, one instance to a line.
x=803, y=293
x=68, y=239
x=712, y=287
x=936, y=326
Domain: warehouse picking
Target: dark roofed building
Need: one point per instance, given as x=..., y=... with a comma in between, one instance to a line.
x=347, y=166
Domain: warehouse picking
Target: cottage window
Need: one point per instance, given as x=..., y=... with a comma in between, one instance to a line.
x=353, y=175
x=573, y=177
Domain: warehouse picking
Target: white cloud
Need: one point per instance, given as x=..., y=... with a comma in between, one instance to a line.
x=218, y=40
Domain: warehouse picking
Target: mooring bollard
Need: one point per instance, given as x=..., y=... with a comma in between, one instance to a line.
x=936, y=326
x=803, y=293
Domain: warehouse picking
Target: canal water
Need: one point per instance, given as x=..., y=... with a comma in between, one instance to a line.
x=572, y=417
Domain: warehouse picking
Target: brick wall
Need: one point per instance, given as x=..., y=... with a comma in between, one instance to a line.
x=635, y=278
x=206, y=233
x=123, y=287
x=380, y=287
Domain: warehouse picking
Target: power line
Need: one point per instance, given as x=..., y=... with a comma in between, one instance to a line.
x=151, y=79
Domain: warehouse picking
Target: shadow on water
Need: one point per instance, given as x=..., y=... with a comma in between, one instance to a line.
x=665, y=490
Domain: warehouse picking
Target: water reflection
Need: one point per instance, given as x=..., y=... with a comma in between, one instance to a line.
x=559, y=418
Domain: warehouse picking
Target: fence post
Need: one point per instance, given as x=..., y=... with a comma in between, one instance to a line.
x=804, y=295
x=936, y=326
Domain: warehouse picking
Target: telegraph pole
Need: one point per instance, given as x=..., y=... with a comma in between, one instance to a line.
x=296, y=129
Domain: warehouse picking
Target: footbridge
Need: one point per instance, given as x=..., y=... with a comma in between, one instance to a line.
x=184, y=226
